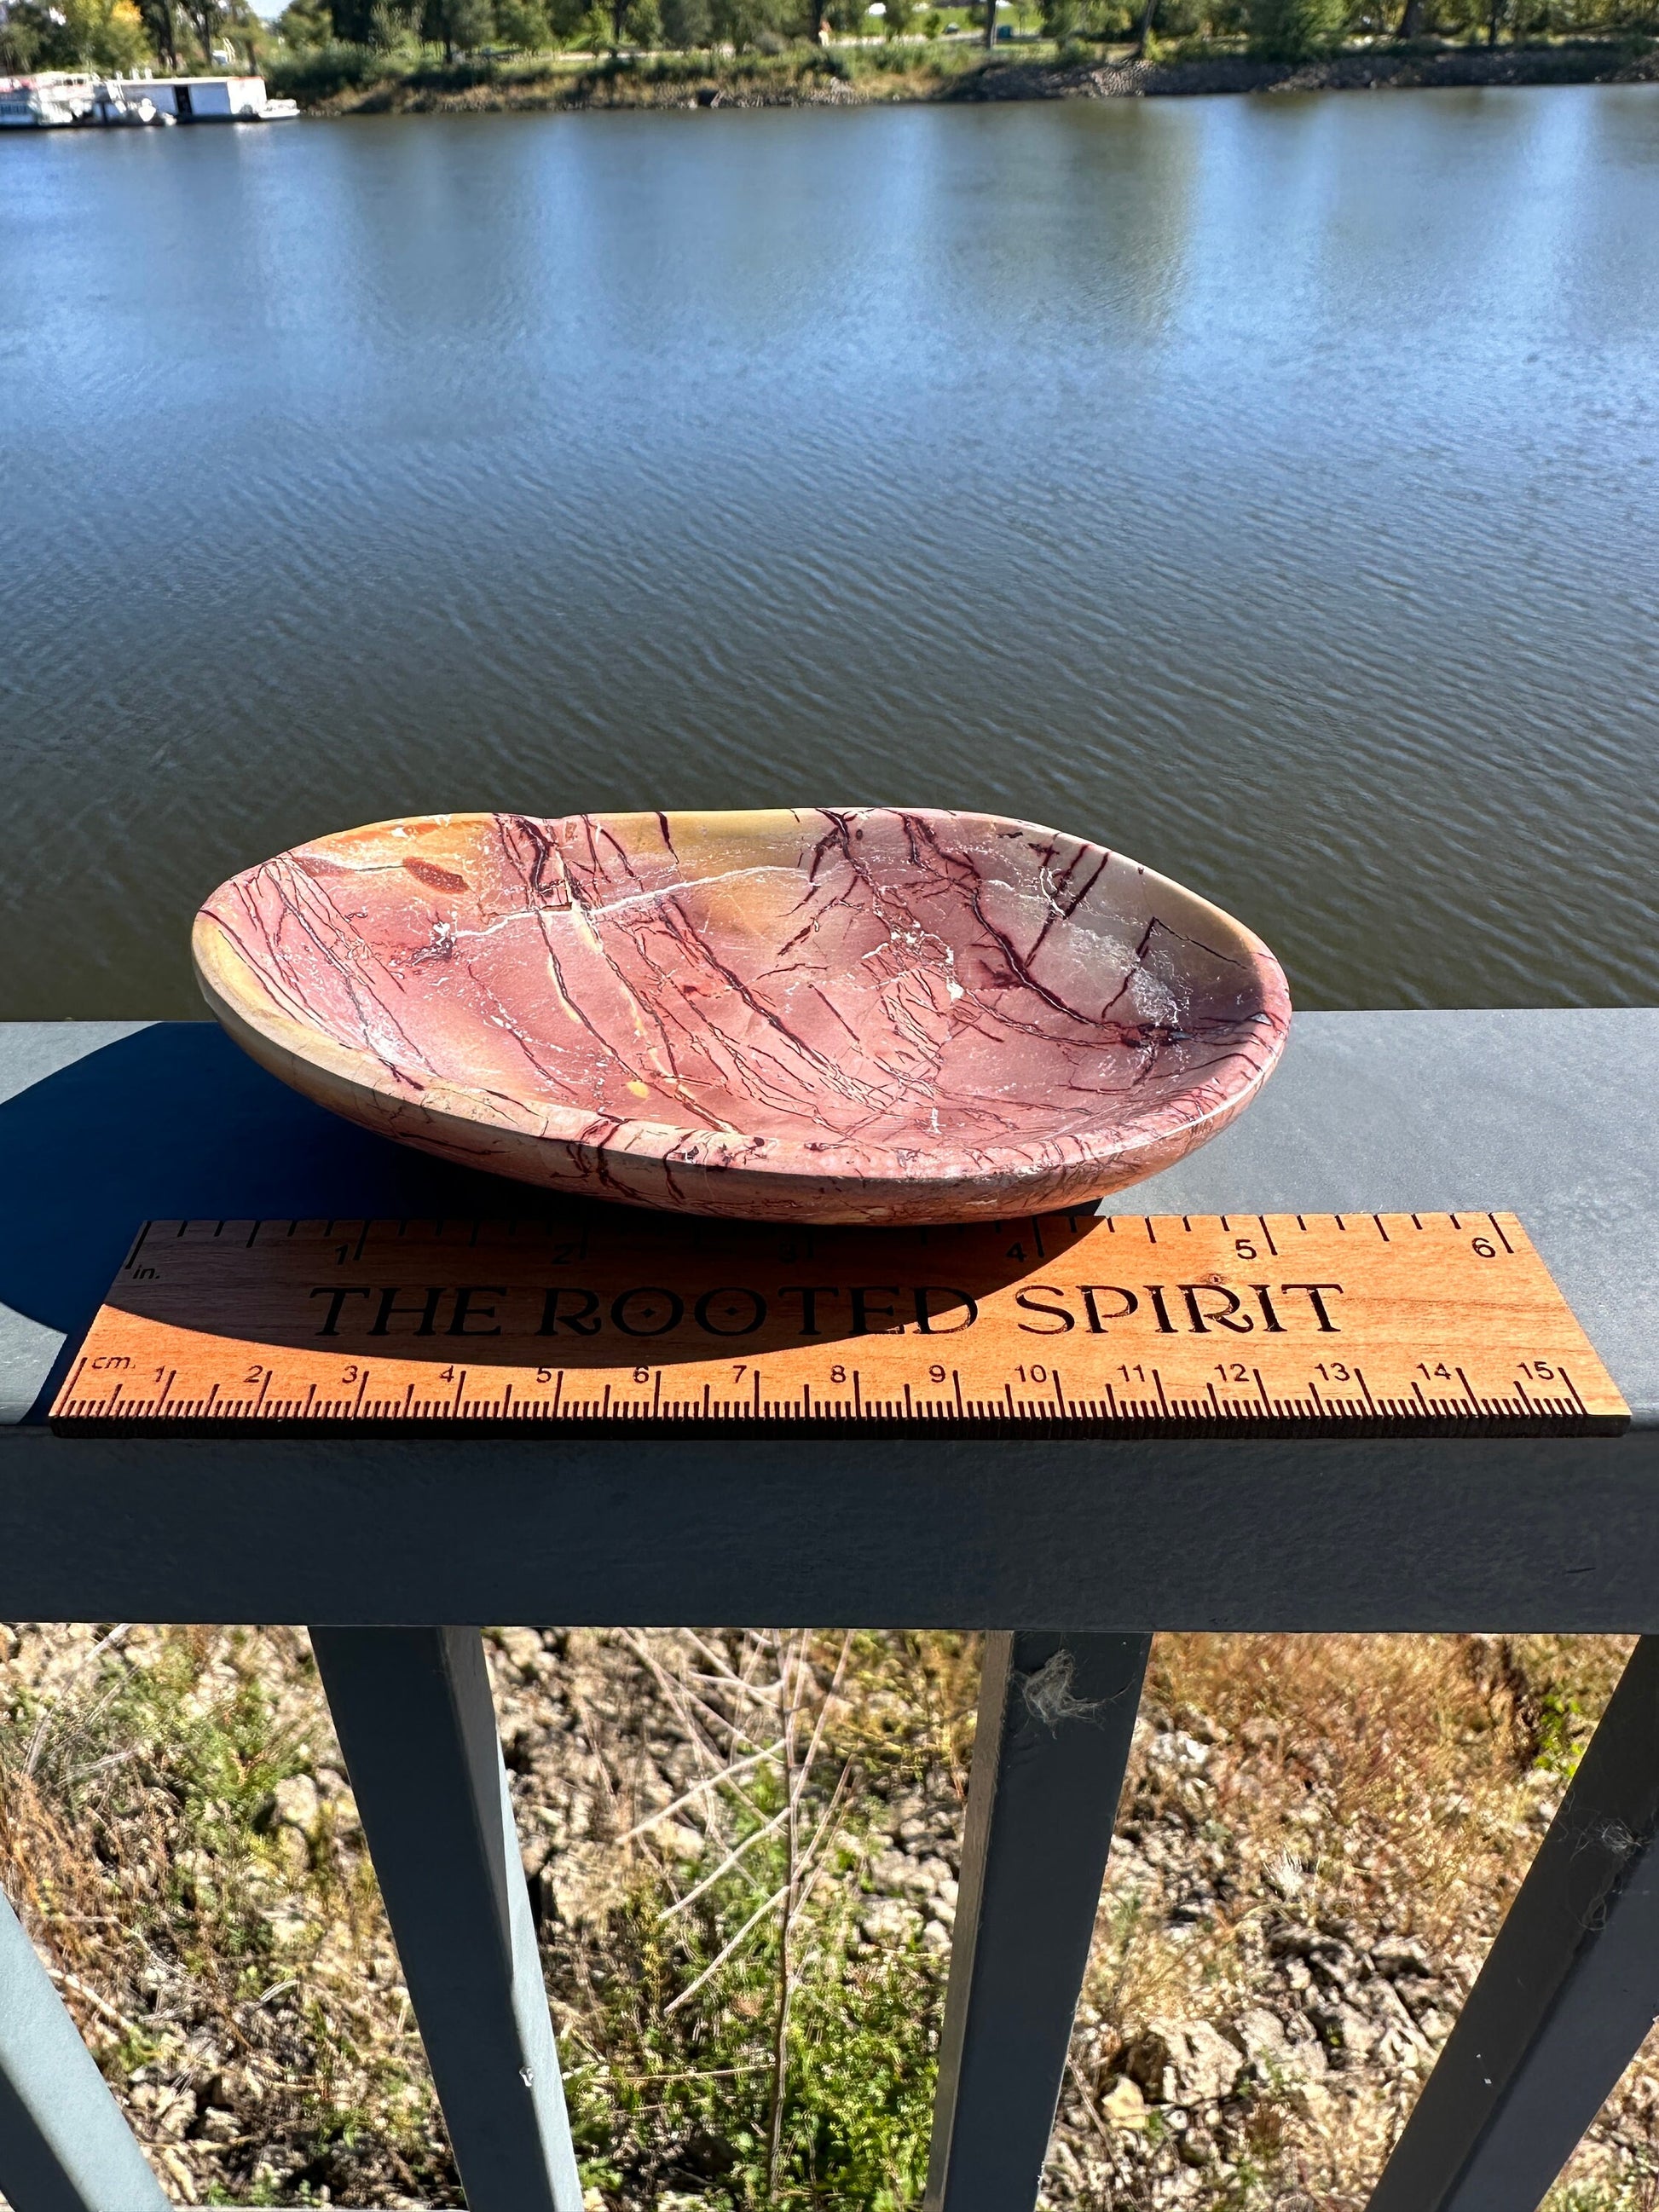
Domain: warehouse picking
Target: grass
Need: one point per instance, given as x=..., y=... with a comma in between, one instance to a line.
x=747, y=2001
x=341, y=79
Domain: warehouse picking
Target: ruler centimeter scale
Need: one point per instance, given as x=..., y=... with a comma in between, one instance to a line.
x=596, y=1320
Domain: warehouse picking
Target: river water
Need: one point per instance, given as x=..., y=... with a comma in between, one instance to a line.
x=1268, y=487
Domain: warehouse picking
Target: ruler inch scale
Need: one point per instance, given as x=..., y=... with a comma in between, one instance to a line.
x=603, y=1322
x=600, y=1321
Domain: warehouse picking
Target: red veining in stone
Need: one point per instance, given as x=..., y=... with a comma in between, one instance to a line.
x=823, y=1014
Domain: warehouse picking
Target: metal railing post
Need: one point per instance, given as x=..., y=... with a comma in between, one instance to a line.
x=64, y=2146
x=1569, y=1990
x=1056, y=1716
x=416, y=1721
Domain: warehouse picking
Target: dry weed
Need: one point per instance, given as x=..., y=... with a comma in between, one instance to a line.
x=742, y=1847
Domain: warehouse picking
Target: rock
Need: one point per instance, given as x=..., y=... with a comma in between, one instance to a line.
x=582, y=1885
x=1123, y=2106
x=888, y=1920
x=524, y=1648
x=936, y=1937
x=1195, y=2148
x=1184, y=2063
x=1348, y=2033
x=1401, y=1958
x=298, y=1804
x=170, y=2111
x=1265, y=2042
x=1178, y=1750
x=179, y=2173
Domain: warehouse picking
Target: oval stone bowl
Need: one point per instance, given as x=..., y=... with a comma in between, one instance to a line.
x=823, y=1014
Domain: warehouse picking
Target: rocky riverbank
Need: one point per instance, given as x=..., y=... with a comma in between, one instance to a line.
x=743, y=1855
x=809, y=78
x=1373, y=70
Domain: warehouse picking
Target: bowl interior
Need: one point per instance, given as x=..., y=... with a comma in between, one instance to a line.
x=868, y=975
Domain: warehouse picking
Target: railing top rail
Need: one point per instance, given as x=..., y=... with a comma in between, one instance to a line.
x=1547, y=1113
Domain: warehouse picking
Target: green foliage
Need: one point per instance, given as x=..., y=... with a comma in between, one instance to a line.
x=97, y=34
x=523, y=24
x=1639, y=2195
x=25, y=29
x=160, y=20
x=322, y=72
x=748, y=25
x=457, y=26
x=900, y=15
x=305, y=26
x=862, y=2050
x=1295, y=30
x=1065, y=21
x=686, y=23
x=1562, y=1732
x=378, y=25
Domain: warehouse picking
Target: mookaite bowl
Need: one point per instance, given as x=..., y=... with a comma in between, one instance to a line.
x=828, y=1014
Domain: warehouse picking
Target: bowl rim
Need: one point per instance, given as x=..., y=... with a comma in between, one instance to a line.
x=778, y=1159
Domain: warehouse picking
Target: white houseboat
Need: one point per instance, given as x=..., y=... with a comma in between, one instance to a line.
x=47, y=102
x=57, y=97
x=208, y=99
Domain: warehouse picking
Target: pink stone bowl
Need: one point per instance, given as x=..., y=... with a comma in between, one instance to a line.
x=824, y=1014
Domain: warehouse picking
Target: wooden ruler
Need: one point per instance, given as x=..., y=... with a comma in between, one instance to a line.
x=600, y=1320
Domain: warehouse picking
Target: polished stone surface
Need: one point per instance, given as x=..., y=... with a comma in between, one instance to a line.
x=868, y=1015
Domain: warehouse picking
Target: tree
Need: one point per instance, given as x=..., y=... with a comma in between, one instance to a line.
x=305, y=25
x=161, y=28
x=222, y=22
x=107, y=35
x=22, y=36
x=744, y=23
x=457, y=26
x=380, y=23
x=686, y=23
x=523, y=24
x=1293, y=30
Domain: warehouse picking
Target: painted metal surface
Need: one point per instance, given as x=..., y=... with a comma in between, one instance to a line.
x=64, y=2146
x=1056, y=1716
x=103, y=1125
x=416, y=1721
x=1567, y=1995
x=1549, y=1115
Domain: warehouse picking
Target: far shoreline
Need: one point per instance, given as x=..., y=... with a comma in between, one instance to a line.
x=810, y=77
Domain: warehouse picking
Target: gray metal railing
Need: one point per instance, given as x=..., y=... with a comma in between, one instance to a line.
x=1550, y=1115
